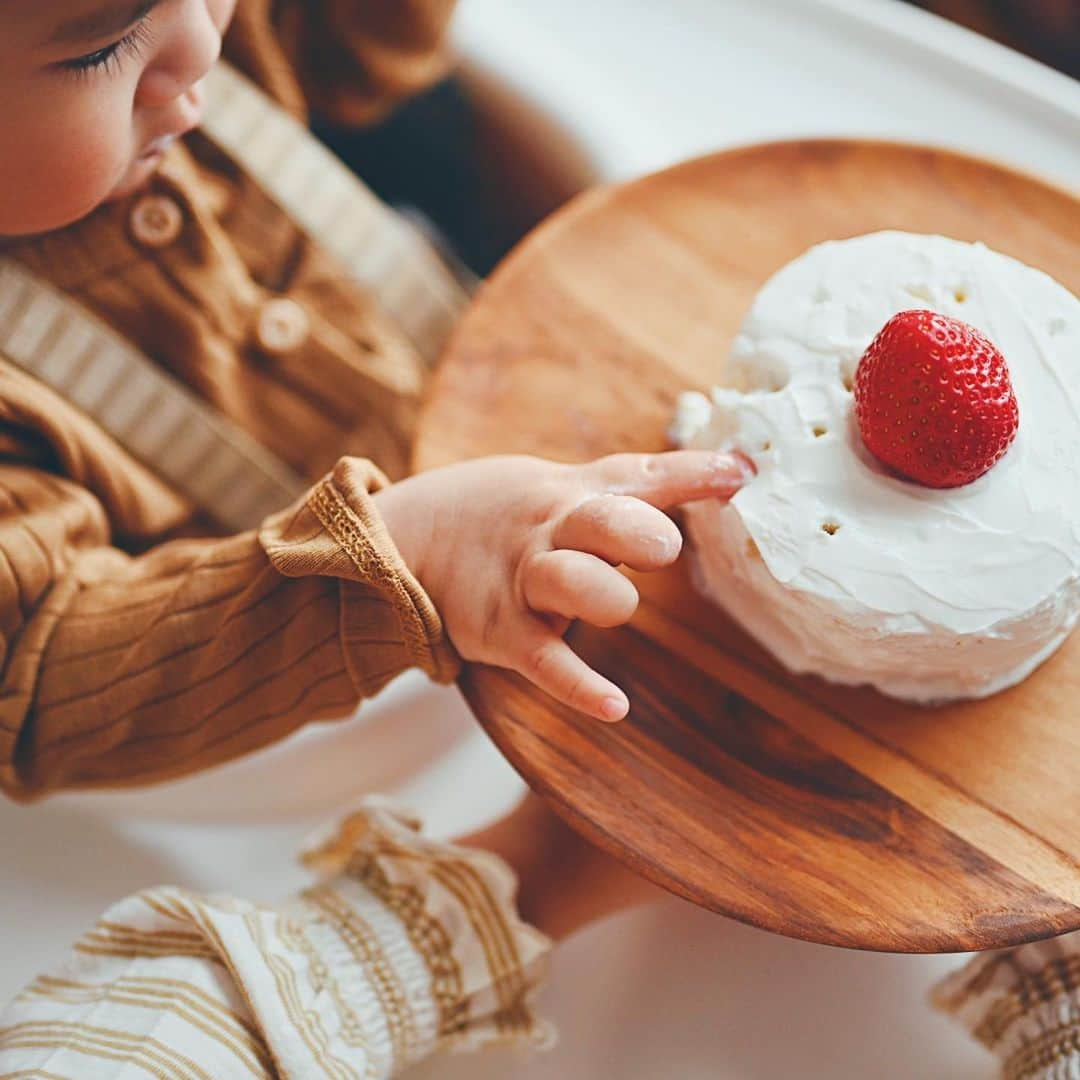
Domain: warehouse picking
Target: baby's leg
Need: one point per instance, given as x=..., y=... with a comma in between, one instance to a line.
x=407, y=946
x=1023, y=1005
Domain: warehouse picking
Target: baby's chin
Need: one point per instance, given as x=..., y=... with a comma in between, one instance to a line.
x=137, y=176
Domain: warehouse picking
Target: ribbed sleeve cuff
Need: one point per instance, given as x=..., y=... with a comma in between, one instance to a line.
x=1024, y=1006
x=446, y=915
x=388, y=622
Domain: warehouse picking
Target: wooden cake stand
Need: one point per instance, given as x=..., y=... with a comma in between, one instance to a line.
x=830, y=814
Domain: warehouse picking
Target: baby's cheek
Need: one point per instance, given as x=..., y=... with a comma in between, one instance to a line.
x=58, y=170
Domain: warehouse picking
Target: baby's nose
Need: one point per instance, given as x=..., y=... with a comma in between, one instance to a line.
x=182, y=58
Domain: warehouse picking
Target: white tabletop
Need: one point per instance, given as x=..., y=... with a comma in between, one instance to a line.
x=633, y=85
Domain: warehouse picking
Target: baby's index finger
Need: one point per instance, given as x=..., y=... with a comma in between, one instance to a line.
x=679, y=476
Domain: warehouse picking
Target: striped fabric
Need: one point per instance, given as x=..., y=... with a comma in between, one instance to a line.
x=210, y=460
x=1024, y=1006
x=407, y=945
x=142, y=669
x=381, y=250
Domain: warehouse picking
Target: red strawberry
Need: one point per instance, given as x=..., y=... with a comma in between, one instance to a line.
x=934, y=401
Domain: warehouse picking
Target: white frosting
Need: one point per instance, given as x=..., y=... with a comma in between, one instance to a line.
x=928, y=595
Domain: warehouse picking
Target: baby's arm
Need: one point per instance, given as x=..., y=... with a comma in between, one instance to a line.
x=119, y=669
x=125, y=670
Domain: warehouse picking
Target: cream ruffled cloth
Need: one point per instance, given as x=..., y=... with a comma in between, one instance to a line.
x=1024, y=1006
x=407, y=946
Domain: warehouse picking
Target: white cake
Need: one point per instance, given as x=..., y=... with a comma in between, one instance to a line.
x=841, y=568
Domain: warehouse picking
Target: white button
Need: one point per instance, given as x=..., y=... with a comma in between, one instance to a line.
x=283, y=325
x=156, y=221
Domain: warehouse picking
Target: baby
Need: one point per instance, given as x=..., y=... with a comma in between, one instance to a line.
x=199, y=554
x=124, y=667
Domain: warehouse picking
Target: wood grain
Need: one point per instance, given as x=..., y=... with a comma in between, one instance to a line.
x=826, y=813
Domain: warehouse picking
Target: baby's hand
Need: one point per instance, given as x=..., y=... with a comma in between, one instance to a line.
x=512, y=549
